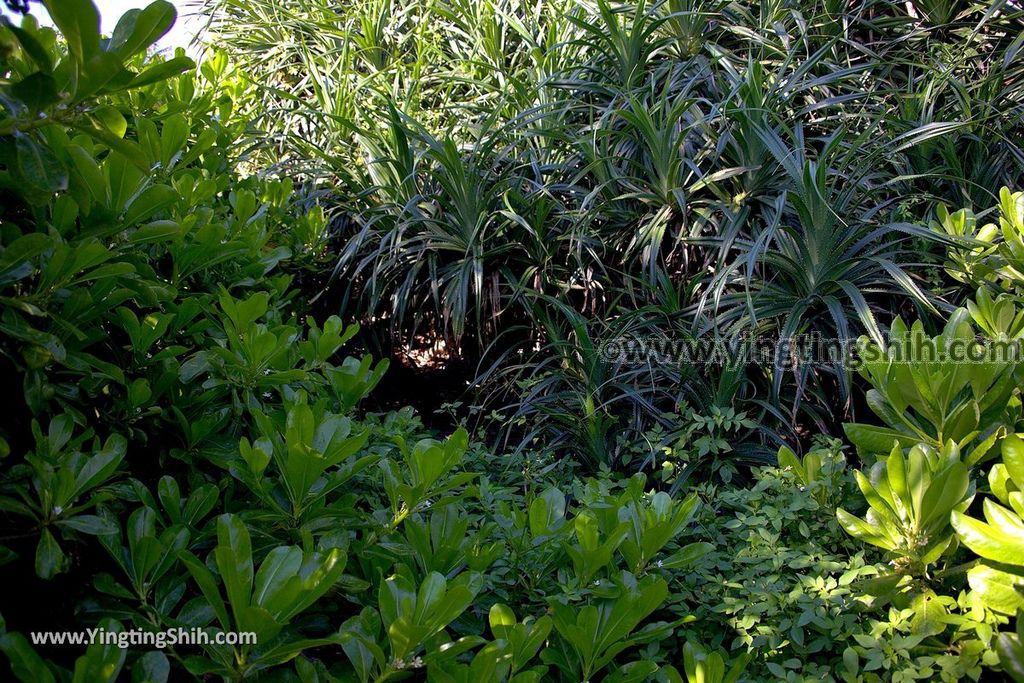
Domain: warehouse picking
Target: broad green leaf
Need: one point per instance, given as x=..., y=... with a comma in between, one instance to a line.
x=38, y=165
x=234, y=561
x=1013, y=458
x=102, y=72
x=929, y=615
x=501, y=618
x=872, y=439
x=1010, y=647
x=787, y=458
x=547, y=512
x=102, y=661
x=37, y=52
x=1002, y=591
x=37, y=91
x=79, y=24
x=161, y=71
x=153, y=200
x=280, y=565
x=26, y=665
x=50, y=559
x=204, y=578
x=152, y=667
x=139, y=29
x=858, y=528
x=111, y=118
x=990, y=542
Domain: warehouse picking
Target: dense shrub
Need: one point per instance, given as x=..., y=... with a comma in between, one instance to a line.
x=187, y=445
x=151, y=319
x=673, y=169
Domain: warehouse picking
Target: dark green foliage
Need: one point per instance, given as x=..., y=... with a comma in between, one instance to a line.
x=701, y=168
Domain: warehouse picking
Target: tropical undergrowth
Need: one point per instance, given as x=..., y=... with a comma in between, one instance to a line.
x=527, y=181
x=191, y=441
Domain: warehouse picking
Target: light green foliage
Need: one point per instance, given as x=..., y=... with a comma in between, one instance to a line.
x=314, y=455
x=523, y=639
x=996, y=254
x=651, y=524
x=50, y=86
x=999, y=318
x=1011, y=227
x=260, y=600
x=821, y=470
x=968, y=266
x=781, y=581
x=426, y=462
x=917, y=643
x=594, y=635
x=706, y=441
x=808, y=600
x=910, y=498
x=935, y=390
x=701, y=666
x=999, y=541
